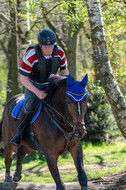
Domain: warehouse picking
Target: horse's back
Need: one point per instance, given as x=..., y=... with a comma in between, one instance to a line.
x=11, y=103
x=8, y=122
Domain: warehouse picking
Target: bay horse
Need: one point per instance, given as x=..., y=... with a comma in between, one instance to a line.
x=59, y=127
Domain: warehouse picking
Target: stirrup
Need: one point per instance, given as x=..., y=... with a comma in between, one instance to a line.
x=16, y=142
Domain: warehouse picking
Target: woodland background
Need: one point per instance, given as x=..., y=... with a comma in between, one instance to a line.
x=20, y=23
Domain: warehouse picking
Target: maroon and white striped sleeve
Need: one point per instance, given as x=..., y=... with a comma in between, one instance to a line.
x=61, y=54
x=27, y=62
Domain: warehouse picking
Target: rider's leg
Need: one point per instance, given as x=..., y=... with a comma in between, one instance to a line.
x=30, y=99
x=16, y=140
x=24, y=117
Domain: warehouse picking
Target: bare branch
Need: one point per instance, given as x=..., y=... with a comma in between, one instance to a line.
x=4, y=49
x=40, y=18
x=55, y=7
x=35, y=23
x=4, y=19
x=52, y=26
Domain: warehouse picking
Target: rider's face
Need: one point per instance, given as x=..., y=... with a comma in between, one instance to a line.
x=47, y=50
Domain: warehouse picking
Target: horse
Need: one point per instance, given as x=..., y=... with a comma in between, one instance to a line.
x=59, y=127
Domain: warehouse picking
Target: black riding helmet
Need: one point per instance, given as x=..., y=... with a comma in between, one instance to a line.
x=46, y=37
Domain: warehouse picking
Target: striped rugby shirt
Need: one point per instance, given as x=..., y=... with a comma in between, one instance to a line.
x=30, y=58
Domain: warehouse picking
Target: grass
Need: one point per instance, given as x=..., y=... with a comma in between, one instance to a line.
x=99, y=160
x=109, y=157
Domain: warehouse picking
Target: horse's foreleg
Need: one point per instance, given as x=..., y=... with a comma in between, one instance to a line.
x=52, y=164
x=22, y=151
x=78, y=160
x=8, y=159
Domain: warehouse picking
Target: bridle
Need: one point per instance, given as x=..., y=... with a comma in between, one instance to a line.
x=67, y=120
x=66, y=117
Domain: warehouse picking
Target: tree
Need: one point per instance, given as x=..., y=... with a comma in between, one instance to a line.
x=15, y=28
x=14, y=47
x=102, y=62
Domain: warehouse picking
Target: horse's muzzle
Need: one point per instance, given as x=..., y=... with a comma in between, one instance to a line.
x=80, y=134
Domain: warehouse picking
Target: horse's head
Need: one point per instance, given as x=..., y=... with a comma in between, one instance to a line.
x=76, y=104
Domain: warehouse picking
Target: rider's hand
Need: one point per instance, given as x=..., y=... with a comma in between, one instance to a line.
x=41, y=94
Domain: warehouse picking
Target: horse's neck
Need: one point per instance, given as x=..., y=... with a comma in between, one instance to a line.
x=58, y=99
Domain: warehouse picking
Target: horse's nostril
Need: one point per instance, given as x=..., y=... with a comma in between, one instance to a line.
x=85, y=132
x=80, y=134
x=76, y=133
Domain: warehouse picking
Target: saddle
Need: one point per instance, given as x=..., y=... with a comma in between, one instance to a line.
x=47, y=87
x=17, y=111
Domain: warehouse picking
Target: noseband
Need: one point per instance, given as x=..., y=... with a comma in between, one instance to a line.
x=69, y=118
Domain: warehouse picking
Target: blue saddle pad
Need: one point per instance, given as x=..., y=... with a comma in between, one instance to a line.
x=17, y=110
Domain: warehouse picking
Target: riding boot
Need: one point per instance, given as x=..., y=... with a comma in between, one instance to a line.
x=16, y=140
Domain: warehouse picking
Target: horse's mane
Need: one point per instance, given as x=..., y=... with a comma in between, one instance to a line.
x=57, y=80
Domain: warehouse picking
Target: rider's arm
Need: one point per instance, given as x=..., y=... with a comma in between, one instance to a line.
x=64, y=72
x=26, y=82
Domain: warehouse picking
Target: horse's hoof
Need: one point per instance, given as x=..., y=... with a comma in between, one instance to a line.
x=17, y=178
x=84, y=188
x=9, y=179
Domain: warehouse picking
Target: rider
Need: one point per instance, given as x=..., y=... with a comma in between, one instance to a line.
x=38, y=63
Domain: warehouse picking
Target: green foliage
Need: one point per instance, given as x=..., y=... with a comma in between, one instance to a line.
x=99, y=116
x=76, y=13
x=114, y=15
x=35, y=156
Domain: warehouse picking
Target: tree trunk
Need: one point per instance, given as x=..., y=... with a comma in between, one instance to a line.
x=72, y=53
x=22, y=29
x=14, y=48
x=102, y=63
x=23, y=34
x=72, y=42
x=9, y=81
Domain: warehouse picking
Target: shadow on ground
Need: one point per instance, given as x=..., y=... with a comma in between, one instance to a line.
x=112, y=182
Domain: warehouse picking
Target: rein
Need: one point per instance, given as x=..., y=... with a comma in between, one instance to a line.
x=68, y=135
x=67, y=119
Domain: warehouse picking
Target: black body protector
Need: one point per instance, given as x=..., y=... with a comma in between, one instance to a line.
x=44, y=67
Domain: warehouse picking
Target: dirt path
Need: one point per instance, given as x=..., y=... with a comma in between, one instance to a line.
x=112, y=182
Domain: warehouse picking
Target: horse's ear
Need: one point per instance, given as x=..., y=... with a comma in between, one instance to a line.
x=70, y=80
x=84, y=80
